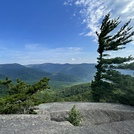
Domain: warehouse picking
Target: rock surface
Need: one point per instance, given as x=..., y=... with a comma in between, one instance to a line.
x=92, y=113
x=98, y=118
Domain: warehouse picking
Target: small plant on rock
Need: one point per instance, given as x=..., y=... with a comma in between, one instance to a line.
x=74, y=117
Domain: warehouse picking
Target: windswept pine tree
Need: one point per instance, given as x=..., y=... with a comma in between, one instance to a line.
x=102, y=86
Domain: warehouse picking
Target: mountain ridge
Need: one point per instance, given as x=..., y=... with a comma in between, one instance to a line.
x=60, y=75
x=14, y=71
x=84, y=71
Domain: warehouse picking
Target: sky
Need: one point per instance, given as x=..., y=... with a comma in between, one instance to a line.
x=57, y=31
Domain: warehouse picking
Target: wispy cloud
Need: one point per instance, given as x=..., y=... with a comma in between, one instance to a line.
x=31, y=46
x=36, y=53
x=69, y=2
x=93, y=11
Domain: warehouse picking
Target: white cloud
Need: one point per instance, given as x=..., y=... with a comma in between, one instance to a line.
x=74, y=48
x=73, y=59
x=129, y=7
x=93, y=11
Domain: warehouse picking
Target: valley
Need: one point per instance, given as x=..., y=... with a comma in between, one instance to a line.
x=60, y=75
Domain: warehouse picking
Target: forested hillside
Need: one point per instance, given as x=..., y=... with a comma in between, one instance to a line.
x=85, y=72
x=31, y=75
x=14, y=71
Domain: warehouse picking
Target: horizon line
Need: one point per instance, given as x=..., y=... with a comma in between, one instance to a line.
x=45, y=63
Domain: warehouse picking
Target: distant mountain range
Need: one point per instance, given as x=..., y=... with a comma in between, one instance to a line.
x=84, y=72
x=14, y=71
x=56, y=72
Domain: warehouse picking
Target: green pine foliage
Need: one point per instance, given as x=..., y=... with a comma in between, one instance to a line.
x=74, y=117
x=123, y=87
x=126, y=66
x=104, y=86
x=20, y=96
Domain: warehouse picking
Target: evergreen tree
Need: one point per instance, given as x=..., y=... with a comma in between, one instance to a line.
x=20, y=97
x=102, y=86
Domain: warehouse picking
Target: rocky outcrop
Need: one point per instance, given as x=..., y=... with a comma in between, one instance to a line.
x=92, y=113
x=97, y=118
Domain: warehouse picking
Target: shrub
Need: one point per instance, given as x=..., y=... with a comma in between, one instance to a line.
x=74, y=117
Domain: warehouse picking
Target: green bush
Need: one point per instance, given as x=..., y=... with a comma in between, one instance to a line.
x=74, y=117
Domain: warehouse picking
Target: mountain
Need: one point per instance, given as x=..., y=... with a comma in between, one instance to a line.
x=85, y=72
x=59, y=74
x=14, y=71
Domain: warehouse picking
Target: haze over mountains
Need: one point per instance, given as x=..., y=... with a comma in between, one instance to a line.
x=73, y=73
x=56, y=72
x=84, y=72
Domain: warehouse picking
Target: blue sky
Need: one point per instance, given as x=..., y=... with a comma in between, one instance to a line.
x=56, y=31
